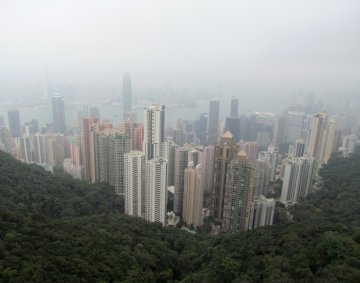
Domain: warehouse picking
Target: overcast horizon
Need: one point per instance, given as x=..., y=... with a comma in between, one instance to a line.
x=249, y=47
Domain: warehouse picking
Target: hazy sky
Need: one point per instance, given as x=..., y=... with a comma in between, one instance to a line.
x=270, y=45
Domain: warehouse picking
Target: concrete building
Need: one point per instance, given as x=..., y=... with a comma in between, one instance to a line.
x=135, y=183
x=193, y=195
x=298, y=176
x=154, y=131
x=321, y=138
x=238, y=194
x=156, y=190
x=225, y=150
x=261, y=212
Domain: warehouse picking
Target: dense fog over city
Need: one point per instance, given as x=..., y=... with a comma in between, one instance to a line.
x=263, y=49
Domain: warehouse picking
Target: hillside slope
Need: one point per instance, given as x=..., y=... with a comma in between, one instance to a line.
x=56, y=229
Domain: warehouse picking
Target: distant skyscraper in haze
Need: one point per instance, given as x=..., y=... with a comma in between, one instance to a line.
x=127, y=92
x=58, y=114
x=200, y=128
x=14, y=123
x=94, y=112
x=294, y=126
x=213, y=122
x=234, y=107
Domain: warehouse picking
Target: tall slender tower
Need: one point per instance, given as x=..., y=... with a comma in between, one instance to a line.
x=127, y=92
x=213, y=122
x=181, y=163
x=14, y=123
x=154, y=131
x=193, y=195
x=135, y=183
x=238, y=194
x=156, y=190
x=58, y=114
x=156, y=165
x=88, y=147
x=234, y=107
x=224, y=153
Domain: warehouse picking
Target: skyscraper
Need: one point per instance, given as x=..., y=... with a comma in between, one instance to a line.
x=14, y=123
x=213, y=122
x=224, y=153
x=109, y=148
x=321, y=138
x=238, y=194
x=297, y=180
x=58, y=114
x=127, y=92
x=88, y=146
x=154, y=131
x=234, y=107
x=135, y=183
x=294, y=126
x=193, y=195
x=156, y=190
x=156, y=165
x=200, y=128
x=232, y=123
x=181, y=163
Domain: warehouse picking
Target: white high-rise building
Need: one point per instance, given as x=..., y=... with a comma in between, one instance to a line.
x=321, y=138
x=154, y=131
x=156, y=190
x=261, y=212
x=135, y=183
x=298, y=176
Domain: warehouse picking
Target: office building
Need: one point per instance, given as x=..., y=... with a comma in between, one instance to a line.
x=88, y=147
x=251, y=150
x=234, y=107
x=200, y=128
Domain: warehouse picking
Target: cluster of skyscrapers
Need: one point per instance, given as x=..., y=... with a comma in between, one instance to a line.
x=198, y=169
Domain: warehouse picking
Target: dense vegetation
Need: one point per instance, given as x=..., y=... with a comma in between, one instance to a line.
x=53, y=228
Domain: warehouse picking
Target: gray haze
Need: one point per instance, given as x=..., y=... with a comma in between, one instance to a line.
x=238, y=47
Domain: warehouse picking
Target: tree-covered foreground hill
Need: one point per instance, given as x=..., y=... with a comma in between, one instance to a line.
x=55, y=229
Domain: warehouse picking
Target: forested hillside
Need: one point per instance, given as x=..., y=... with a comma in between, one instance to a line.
x=56, y=229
